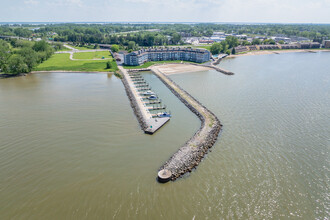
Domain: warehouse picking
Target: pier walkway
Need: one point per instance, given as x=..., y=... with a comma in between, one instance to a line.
x=149, y=124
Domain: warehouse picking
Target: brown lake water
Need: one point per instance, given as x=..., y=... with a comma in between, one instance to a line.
x=71, y=147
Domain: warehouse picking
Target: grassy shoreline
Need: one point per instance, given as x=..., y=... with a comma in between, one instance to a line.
x=62, y=62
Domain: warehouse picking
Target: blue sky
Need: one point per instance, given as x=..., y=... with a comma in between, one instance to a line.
x=260, y=11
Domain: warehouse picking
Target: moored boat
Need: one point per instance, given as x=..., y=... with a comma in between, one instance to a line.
x=164, y=115
x=152, y=97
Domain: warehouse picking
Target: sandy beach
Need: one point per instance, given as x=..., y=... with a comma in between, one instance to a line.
x=264, y=52
x=169, y=69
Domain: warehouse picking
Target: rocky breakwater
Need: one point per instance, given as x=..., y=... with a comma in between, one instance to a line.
x=132, y=99
x=191, y=153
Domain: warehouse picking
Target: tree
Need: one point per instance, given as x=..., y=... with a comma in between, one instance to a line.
x=115, y=48
x=256, y=41
x=232, y=41
x=131, y=45
x=109, y=65
x=40, y=46
x=246, y=43
x=209, y=33
x=30, y=57
x=281, y=42
x=58, y=46
x=16, y=65
x=233, y=51
x=176, y=38
x=4, y=55
x=269, y=41
x=225, y=46
x=216, y=48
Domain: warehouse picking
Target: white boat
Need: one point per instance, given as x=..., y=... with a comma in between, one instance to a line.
x=149, y=92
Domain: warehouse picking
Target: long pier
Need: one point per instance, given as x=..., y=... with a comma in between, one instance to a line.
x=149, y=124
x=191, y=153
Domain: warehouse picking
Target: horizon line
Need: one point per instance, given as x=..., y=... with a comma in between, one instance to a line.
x=159, y=22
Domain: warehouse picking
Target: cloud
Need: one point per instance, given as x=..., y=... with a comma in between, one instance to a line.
x=258, y=11
x=77, y=3
x=31, y=2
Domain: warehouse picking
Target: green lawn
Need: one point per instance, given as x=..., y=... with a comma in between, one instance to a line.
x=204, y=47
x=92, y=55
x=63, y=62
x=148, y=64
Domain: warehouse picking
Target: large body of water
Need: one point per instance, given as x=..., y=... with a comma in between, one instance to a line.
x=71, y=148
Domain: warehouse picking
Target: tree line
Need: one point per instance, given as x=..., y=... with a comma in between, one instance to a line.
x=19, y=56
x=163, y=34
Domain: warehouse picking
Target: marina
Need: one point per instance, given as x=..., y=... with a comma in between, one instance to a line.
x=146, y=105
x=144, y=102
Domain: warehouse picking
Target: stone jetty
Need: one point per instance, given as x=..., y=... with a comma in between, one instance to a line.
x=192, y=152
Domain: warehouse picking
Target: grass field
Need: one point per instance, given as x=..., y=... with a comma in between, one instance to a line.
x=63, y=62
x=92, y=55
x=147, y=64
x=204, y=47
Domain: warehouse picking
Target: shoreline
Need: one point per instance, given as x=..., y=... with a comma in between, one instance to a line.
x=266, y=52
x=6, y=76
x=66, y=71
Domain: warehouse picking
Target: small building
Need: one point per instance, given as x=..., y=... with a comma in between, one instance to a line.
x=309, y=45
x=241, y=49
x=288, y=46
x=252, y=47
x=105, y=46
x=268, y=47
x=326, y=44
x=206, y=41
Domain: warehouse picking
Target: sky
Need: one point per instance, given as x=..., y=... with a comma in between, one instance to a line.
x=249, y=11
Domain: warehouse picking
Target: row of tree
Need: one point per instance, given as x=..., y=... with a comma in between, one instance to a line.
x=224, y=46
x=18, y=56
x=311, y=31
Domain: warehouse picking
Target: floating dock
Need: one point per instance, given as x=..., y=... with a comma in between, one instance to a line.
x=134, y=83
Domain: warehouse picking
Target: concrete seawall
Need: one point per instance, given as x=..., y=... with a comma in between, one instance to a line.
x=134, y=105
x=192, y=152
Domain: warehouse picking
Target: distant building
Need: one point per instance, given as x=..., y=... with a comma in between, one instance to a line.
x=326, y=44
x=218, y=33
x=241, y=49
x=159, y=54
x=309, y=45
x=268, y=47
x=289, y=46
x=217, y=39
x=204, y=41
x=299, y=39
x=285, y=39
